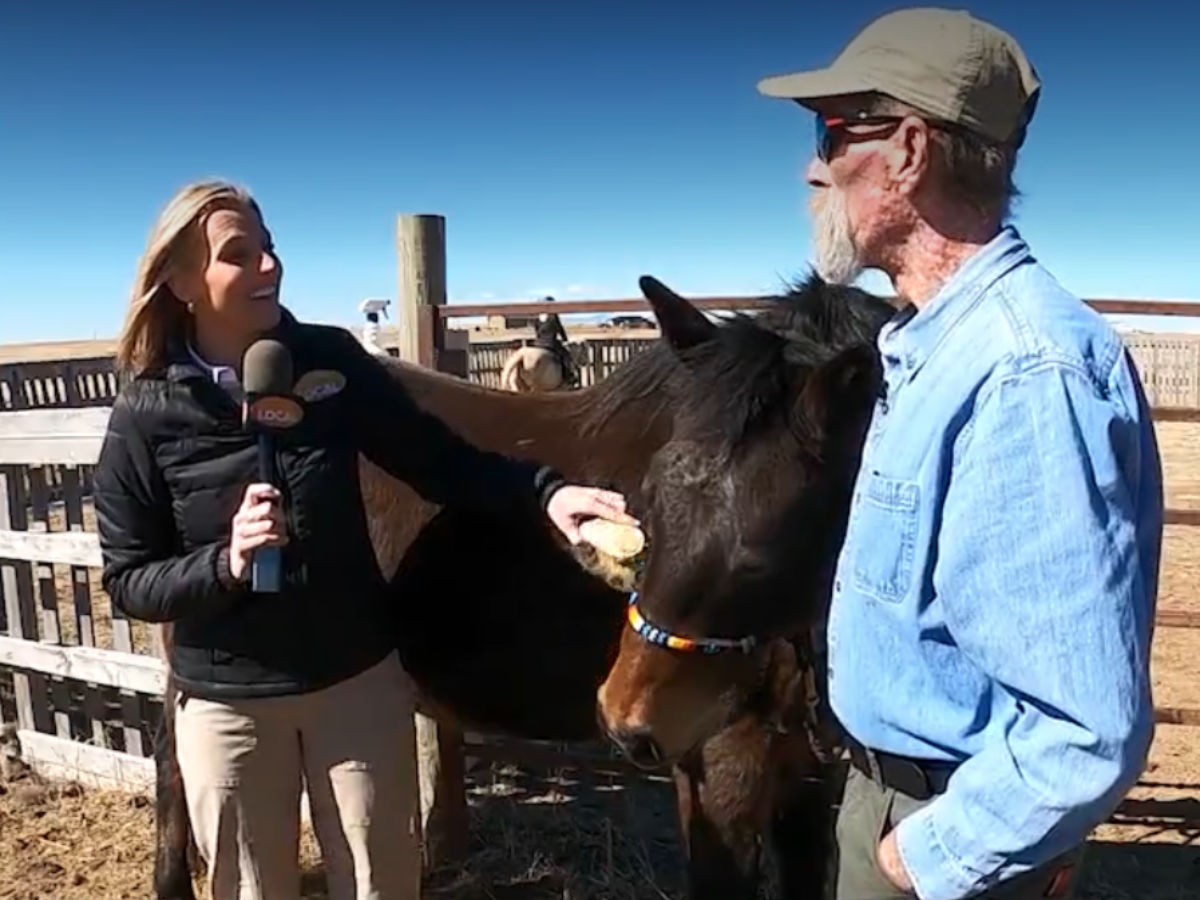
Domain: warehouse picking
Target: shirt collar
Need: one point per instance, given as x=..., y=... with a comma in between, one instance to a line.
x=185, y=361
x=225, y=376
x=913, y=335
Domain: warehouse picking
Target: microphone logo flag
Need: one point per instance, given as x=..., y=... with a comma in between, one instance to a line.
x=274, y=412
x=319, y=384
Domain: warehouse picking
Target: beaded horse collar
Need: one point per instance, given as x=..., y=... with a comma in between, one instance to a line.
x=660, y=637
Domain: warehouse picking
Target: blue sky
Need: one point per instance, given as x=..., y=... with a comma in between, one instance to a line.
x=571, y=146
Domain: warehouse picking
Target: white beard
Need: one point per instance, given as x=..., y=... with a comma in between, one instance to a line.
x=838, y=257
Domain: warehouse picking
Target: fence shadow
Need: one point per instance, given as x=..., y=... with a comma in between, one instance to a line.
x=542, y=832
x=1178, y=814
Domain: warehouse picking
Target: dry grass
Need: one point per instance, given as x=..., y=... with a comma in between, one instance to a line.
x=533, y=836
x=563, y=835
x=59, y=841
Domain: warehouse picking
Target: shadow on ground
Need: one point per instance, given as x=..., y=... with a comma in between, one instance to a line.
x=538, y=835
x=1137, y=871
x=1157, y=856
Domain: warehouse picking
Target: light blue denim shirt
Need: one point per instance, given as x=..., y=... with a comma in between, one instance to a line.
x=995, y=593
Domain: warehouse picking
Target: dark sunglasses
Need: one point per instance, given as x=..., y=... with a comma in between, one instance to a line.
x=829, y=130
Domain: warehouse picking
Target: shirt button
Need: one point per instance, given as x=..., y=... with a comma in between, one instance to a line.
x=837, y=586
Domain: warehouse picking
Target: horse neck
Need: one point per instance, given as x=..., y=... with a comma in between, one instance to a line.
x=547, y=428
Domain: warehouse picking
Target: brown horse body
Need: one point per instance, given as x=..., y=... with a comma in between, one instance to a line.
x=502, y=627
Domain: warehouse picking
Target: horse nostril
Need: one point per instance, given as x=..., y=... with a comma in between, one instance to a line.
x=640, y=746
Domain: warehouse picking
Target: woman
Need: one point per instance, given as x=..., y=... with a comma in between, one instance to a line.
x=303, y=683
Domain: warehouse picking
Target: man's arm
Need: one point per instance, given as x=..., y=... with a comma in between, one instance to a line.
x=1039, y=571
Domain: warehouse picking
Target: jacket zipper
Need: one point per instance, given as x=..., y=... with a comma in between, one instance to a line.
x=288, y=519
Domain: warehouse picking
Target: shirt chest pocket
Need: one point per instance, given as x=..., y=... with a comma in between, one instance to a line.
x=885, y=536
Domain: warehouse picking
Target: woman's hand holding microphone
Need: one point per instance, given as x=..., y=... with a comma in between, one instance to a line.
x=258, y=523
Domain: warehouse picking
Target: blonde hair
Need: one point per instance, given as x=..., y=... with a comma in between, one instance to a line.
x=156, y=316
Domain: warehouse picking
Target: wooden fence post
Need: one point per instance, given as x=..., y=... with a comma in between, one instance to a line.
x=421, y=251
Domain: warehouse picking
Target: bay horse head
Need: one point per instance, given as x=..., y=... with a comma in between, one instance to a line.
x=745, y=508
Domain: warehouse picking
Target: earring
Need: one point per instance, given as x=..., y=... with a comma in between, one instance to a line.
x=191, y=307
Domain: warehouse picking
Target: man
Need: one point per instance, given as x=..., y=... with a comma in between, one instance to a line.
x=990, y=628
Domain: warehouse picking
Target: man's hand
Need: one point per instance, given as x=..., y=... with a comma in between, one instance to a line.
x=892, y=865
x=571, y=504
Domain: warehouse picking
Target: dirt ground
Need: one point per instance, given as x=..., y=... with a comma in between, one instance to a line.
x=564, y=835
x=544, y=836
x=534, y=836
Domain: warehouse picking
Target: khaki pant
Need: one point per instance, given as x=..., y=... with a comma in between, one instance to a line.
x=353, y=745
x=869, y=811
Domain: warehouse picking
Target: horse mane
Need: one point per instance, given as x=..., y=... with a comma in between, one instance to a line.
x=646, y=376
x=725, y=387
x=838, y=316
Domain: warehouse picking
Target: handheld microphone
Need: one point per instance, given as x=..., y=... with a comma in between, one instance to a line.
x=268, y=409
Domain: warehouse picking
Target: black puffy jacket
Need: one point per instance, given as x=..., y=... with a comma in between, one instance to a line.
x=174, y=466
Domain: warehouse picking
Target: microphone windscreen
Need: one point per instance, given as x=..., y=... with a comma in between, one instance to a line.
x=267, y=368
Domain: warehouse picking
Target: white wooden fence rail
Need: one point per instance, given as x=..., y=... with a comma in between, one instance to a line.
x=62, y=758
x=43, y=437
x=74, y=548
x=68, y=437
x=110, y=668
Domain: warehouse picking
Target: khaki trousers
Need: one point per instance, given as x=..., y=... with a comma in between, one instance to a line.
x=352, y=744
x=869, y=811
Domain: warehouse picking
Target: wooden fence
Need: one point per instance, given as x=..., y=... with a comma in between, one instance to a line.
x=83, y=684
x=1168, y=363
x=1170, y=368
x=82, y=687
x=81, y=681
x=596, y=357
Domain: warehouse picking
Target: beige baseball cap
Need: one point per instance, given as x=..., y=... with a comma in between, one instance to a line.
x=943, y=62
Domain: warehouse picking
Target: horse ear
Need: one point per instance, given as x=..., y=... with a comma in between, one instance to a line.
x=682, y=325
x=850, y=381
